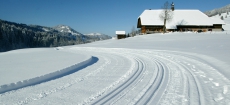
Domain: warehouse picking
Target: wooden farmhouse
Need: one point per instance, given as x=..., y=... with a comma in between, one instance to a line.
x=183, y=20
x=120, y=34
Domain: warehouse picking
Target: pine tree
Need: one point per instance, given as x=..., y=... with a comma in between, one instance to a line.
x=222, y=18
x=128, y=35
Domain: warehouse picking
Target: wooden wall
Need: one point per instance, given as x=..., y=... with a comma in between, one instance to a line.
x=146, y=29
x=143, y=30
x=217, y=26
x=121, y=36
x=155, y=29
x=203, y=28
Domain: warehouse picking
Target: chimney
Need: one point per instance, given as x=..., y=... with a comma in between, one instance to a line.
x=172, y=6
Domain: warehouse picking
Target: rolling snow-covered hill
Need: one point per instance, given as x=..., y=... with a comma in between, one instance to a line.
x=226, y=19
x=155, y=69
x=218, y=11
x=223, y=12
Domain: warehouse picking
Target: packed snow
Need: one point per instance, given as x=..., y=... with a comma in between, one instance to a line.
x=156, y=69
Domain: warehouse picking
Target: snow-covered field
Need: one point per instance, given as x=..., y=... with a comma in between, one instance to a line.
x=164, y=69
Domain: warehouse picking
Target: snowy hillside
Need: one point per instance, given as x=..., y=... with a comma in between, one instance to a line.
x=224, y=13
x=226, y=19
x=155, y=69
x=67, y=29
x=98, y=36
x=94, y=34
x=218, y=11
x=17, y=35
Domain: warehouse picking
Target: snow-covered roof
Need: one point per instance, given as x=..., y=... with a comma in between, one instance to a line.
x=180, y=17
x=217, y=20
x=120, y=32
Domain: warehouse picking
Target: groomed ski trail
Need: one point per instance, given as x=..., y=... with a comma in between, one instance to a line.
x=133, y=76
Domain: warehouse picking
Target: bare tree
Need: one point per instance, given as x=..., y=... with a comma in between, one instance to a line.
x=166, y=14
x=133, y=32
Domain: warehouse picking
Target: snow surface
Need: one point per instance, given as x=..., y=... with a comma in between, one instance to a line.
x=37, y=61
x=157, y=69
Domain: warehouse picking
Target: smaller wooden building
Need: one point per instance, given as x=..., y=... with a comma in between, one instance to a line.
x=120, y=34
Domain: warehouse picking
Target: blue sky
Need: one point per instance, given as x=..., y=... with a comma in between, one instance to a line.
x=86, y=16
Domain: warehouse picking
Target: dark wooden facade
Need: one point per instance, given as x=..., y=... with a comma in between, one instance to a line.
x=146, y=29
x=121, y=36
x=149, y=29
x=215, y=27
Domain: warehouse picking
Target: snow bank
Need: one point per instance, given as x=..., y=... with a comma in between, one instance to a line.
x=38, y=61
x=48, y=77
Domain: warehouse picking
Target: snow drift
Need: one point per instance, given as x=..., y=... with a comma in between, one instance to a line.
x=48, y=77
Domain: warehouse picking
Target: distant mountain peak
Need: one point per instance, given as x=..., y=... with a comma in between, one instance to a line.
x=98, y=35
x=67, y=29
x=95, y=33
x=63, y=26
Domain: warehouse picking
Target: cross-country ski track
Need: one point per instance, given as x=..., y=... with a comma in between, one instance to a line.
x=128, y=76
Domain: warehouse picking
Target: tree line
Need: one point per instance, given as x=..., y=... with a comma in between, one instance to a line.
x=17, y=35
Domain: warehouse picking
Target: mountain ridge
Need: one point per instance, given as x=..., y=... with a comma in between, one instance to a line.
x=17, y=35
x=67, y=29
x=98, y=36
